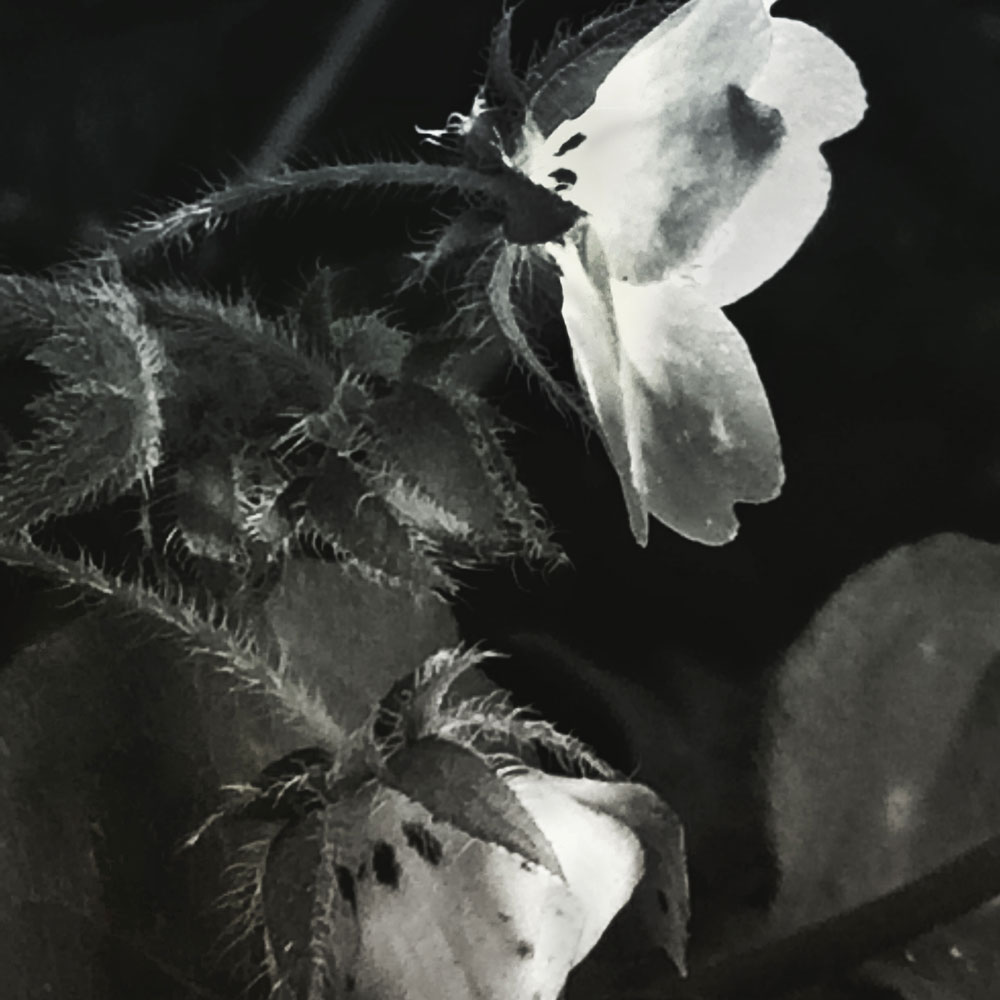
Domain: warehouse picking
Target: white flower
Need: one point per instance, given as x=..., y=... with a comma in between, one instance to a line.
x=699, y=169
x=484, y=922
x=446, y=880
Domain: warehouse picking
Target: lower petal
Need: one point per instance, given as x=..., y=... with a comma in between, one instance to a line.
x=601, y=857
x=587, y=313
x=698, y=425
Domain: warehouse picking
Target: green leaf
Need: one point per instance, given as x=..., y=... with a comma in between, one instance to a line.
x=424, y=440
x=114, y=748
x=310, y=902
x=342, y=508
x=446, y=473
x=349, y=340
x=206, y=507
x=350, y=638
x=500, y=291
x=98, y=432
x=522, y=523
x=883, y=737
x=456, y=786
x=204, y=630
x=235, y=375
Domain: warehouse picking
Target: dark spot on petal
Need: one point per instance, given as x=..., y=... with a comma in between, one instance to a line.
x=384, y=865
x=349, y=984
x=345, y=883
x=563, y=177
x=571, y=143
x=757, y=128
x=661, y=898
x=525, y=949
x=526, y=866
x=504, y=917
x=423, y=842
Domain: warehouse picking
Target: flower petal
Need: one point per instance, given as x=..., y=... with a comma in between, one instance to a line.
x=767, y=228
x=376, y=896
x=820, y=95
x=601, y=858
x=812, y=80
x=672, y=142
x=587, y=313
x=700, y=430
x=698, y=50
x=699, y=154
x=678, y=398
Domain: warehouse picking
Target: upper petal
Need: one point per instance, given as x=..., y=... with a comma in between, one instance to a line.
x=812, y=80
x=820, y=96
x=700, y=49
x=670, y=143
x=699, y=155
x=768, y=226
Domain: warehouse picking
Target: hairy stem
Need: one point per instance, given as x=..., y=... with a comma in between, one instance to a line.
x=209, y=211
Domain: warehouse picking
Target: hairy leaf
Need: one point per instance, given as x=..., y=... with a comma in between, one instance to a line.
x=114, y=750
x=234, y=374
x=426, y=443
x=351, y=638
x=343, y=509
x=98, y=431
x=455, y=785
x=446, y=472
x=347, y=339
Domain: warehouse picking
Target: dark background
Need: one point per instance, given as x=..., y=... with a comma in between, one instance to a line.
x=879, y=343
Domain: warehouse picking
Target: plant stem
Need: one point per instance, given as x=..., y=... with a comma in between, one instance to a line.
x=210, y=210
x=833, y=948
